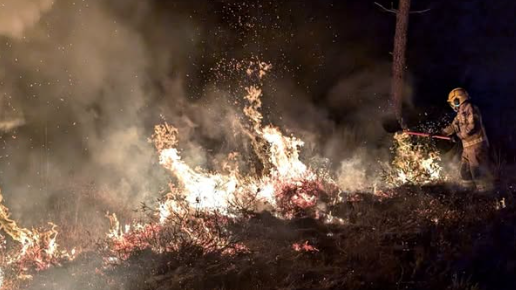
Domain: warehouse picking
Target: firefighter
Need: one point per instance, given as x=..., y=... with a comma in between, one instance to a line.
x=468, y=127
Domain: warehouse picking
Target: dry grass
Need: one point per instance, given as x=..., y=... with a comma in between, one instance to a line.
x=428, y=238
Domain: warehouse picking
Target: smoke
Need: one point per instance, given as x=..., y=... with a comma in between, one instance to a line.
x=353, y=175
x=347, y=130
x=16, y=16
x=84, y=88
x=10, y=115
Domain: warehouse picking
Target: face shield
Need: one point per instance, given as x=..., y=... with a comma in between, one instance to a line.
x=455, y=104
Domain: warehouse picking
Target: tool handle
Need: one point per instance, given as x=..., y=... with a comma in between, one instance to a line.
x=428, y=135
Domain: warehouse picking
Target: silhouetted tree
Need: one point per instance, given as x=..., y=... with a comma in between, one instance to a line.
x=398, y=59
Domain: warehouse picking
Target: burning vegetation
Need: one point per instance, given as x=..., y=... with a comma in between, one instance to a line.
x=200, y=208
x=27, y=250
x=250, y=176
x=288, y=223
x=416, y=163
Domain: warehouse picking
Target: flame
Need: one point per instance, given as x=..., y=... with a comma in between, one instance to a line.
x=417, y=164
x=202, y=204
x=201, y=200
x=199, y=207
x=216, y=191
x=201, y=190
x=36, y=250
x=304, y=247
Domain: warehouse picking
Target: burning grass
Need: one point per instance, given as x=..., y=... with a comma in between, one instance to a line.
x=287, y=227
x=421, y=238
x=416, y=163
x=32, y=250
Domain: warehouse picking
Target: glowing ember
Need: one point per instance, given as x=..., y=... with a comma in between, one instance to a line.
x=304, y=247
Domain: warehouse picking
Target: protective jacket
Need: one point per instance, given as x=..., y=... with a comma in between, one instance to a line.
x=468, y=126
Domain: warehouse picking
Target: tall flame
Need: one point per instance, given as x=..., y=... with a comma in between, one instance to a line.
x=215, y=191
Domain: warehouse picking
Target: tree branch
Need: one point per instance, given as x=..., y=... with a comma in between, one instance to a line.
x=420, y=11
x=392, y=10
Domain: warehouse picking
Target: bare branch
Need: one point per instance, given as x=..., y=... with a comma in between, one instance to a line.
x=392, y=10
x=420, y=11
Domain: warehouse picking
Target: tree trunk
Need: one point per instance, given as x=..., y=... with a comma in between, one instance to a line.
x=398, y=65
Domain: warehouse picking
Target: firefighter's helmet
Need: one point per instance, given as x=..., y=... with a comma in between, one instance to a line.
x=457, y=97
